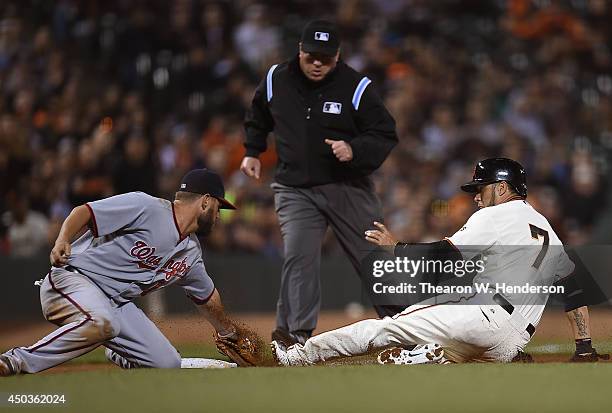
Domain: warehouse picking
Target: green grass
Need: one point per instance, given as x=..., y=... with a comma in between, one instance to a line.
x=473, y=388
x=553, y=387
x=209, y=351
x=537, y=347
x=186, y=350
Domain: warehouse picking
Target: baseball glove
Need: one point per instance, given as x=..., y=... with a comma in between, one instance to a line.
x=242, y=347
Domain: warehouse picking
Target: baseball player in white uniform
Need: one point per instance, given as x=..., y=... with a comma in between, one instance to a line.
x=512, y=237
x=110, y=252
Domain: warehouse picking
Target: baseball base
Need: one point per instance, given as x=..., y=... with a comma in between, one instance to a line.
x=199, y=363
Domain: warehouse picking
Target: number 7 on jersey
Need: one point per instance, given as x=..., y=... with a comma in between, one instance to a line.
x=536, y=232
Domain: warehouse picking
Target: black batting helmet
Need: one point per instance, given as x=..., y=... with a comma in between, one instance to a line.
x=494, y=170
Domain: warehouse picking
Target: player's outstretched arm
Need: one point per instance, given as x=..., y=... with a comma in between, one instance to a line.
x=381, y=236
x=237, y=342
x=73, y=225
x=577, y=295
x=579, y=320
x=214, y=313
x=581, y=327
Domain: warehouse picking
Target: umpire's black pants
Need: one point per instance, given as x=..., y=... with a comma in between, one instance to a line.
x=304, y=213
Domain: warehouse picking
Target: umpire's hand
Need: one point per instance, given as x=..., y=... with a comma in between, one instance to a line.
x=251, y=167
x=341, y=149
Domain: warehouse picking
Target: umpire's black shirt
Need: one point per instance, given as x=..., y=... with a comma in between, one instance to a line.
x=303, y=113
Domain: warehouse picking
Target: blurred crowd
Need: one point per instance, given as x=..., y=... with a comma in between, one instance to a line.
x=102, y=97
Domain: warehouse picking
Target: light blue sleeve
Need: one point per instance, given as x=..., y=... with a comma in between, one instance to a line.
x=197, y=284
x=117, y=212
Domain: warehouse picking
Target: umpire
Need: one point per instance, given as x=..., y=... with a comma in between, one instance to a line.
x=332, y=131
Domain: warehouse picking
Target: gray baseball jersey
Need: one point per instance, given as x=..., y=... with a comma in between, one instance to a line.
x=134, y=246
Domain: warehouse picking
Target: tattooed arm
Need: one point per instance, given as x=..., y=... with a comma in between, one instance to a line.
x=579, y=320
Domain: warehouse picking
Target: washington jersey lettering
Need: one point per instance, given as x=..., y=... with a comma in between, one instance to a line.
x=134, y=246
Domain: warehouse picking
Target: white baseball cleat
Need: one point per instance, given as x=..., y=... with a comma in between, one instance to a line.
x=421, y=354
x=119, y=360
x=6, y=367
x=279, y=352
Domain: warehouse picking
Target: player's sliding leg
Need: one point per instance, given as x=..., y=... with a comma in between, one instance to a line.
x=85, y=314
x=359, y=338
x=140, y=343
x=352, y=340
x=465, y=332
x=431, y=353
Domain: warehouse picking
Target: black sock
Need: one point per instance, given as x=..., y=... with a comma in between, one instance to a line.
x=584, y=345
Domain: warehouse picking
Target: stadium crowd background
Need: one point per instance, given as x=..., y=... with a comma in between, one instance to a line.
x=109, y=96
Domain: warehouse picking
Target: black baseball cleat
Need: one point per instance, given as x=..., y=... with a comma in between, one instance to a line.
x=281, y=335
x=591, y=357
x=522, y=357
x=6, y=367
x=289, y=339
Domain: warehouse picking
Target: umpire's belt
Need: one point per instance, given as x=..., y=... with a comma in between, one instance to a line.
x=505, y=304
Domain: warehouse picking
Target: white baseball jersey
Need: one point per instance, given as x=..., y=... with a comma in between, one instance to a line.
x=519, y=247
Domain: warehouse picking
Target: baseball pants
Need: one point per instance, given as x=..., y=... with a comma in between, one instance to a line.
x=304, y=214
x=88, y=319
x=484, y=333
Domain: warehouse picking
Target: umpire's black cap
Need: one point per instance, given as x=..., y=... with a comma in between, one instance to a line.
x=204, y=181
x=494, y=170
x=320, y=36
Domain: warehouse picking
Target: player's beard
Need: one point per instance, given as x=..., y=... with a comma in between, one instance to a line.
x=206, y=223
x=487, y=197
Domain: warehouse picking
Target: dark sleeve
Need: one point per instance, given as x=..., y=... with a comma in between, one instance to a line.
x=573, y=295
x=377, y=134
x=439, y=250
x=580, y=288
x=258, y=122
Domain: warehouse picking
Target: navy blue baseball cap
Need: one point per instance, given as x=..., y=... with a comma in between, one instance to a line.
x=204, y=181
x=320, y=36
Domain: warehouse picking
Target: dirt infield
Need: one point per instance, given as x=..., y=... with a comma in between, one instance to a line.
x=191, y=329
x=186, y=329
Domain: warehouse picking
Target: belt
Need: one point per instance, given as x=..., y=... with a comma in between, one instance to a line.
x=505, y=304
x=70, y=268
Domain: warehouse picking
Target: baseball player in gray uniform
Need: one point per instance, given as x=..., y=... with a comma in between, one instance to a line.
x=129, y=245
